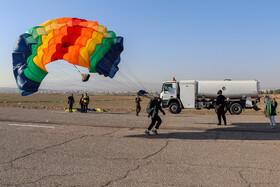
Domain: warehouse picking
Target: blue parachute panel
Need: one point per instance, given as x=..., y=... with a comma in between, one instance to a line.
x=21, y=52
x=107, y=66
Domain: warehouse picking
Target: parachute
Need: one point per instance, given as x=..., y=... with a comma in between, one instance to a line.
x=80, y=42
x=142, y=93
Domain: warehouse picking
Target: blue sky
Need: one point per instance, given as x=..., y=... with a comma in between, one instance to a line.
x=186, y=39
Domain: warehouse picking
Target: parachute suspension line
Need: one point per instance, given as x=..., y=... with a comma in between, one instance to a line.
x=58, y=75
x=64, y=72
x=77, y=68
x=58, y=79
x=85, y=77
x=62, y=75
x=127, y=76
x=124, y=78
x=123, y=86
x=129, y=81
x=127, y=84
x=127, y=69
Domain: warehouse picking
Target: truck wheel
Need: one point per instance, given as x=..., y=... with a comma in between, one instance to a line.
x=235, y=109
x=174, y=108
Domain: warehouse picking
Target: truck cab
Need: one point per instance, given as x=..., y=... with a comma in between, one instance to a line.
x=172, y=98
x=169, y=94
x=169, y=90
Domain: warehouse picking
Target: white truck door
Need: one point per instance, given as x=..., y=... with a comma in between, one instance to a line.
x=169, y=90
x=187, y=93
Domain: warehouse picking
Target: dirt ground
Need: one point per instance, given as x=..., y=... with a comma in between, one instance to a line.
x=111, y=103
x=50, y=147
x=42, y=145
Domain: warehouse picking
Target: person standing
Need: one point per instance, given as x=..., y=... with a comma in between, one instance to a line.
x=270, y=110
x=138, y=106
x=155, y=108
x=220, y=106
x=86, y=102
x=82, y=103
x=71, y=101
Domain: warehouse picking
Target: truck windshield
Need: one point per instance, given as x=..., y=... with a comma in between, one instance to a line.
x=167, y=87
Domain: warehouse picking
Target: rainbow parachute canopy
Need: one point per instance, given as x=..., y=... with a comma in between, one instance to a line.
x=78, y=41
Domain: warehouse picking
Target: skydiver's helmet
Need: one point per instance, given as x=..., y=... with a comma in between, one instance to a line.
x=156, y=95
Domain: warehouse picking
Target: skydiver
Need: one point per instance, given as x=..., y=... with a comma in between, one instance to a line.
x=155, y=106
x=270, y=110
x=86, y=102
x=71, y=101
x=138, y=106
x=220, y=105
x=82, y=103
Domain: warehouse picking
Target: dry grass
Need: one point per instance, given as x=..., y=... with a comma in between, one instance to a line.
x=111, y=103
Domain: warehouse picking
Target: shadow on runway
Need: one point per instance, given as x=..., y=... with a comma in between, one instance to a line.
x=235, y=131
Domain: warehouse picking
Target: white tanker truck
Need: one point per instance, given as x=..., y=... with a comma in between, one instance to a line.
x=240, y=94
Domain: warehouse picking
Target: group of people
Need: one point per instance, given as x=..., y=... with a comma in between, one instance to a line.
x=84, y=101
x=269, y=110
x=154, y=107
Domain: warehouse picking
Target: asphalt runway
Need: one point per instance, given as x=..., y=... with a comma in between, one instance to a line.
x=54, y=148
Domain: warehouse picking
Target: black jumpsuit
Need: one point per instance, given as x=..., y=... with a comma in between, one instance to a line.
x=221, y=110
x=155, y=117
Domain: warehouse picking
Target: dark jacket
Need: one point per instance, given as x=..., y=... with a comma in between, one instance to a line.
x=273, y=108
x=270, y=108
x=71, y=100
x=156, y=105
x=221, y=101
x=81, y=100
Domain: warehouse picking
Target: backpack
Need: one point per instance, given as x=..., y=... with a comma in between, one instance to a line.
x=149, y=110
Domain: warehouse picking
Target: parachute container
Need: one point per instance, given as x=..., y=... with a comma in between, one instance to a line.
x=85, y=77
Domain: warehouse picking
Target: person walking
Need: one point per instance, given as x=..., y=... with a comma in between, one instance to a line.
x=138, y=106
x=270, y=110
x=71, y=101
x=220, y=107
x=82, y=103
x=153, y=113
x=86, y=102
